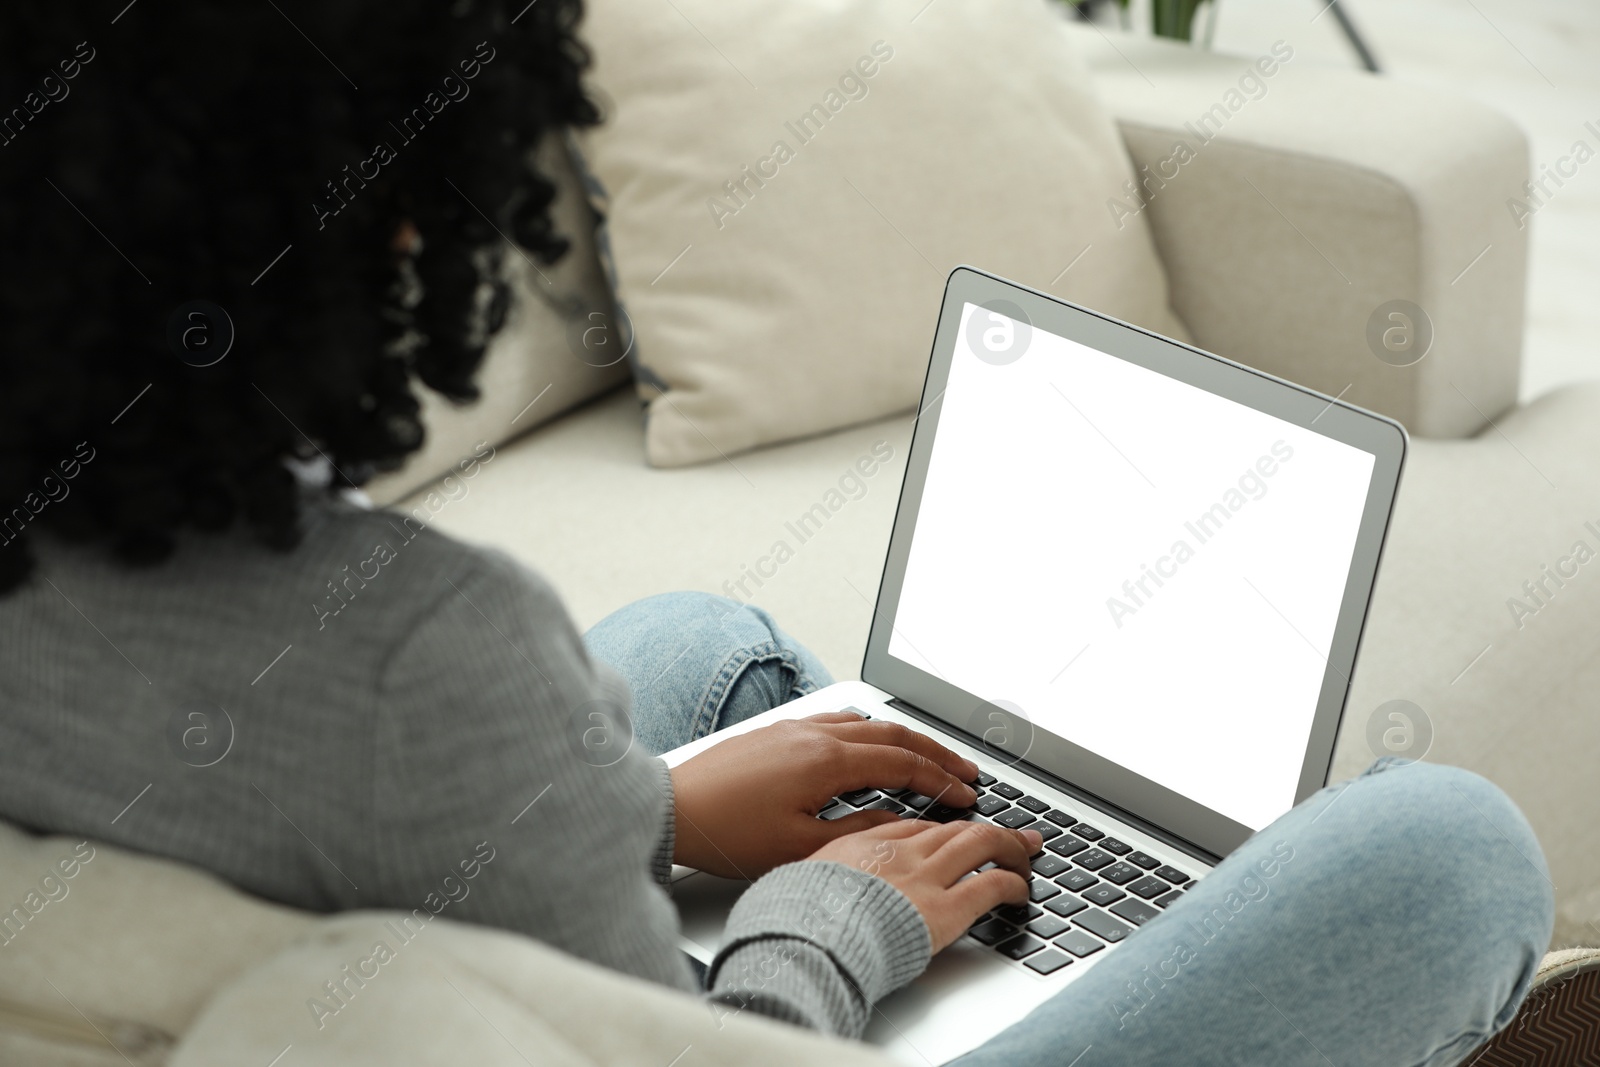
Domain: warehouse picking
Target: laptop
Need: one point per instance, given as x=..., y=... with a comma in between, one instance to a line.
x=1128, y=579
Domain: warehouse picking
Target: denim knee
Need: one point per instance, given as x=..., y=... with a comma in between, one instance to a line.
x=765, y=667
x=697, y=662
x=1502, y=909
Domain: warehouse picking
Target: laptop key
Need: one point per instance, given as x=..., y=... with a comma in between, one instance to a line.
x=1048, y=926
x=1018, y=913
x=1060, y=818
x=1015, y=819
x=992, y=931
x=1087, y=832
x=1100, y=924
x=945, y=813
x=985, y=779
x=1138, y=912
x=1033, y=804
x=838, y=811
x=1076, y=880
x=990, y=806
x=1005, y=789
x=1144, y=860
x=1047, y=962
x=885, y=804
x=1045, y=830
x=1048, y=866
x=1093, y=859
x=1115, y=847
x=860, y=797
x=1040, y=890
x=1171, y=874
x=1065, y=905
x=1170, y=899
x=1066, y=846
x=916, y=800
x=1120, y=873
x=1079, y=943
x=1148, y=887
x=1020, y=946
x=1104, y=894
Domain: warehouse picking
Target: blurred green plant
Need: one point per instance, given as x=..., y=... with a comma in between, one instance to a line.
x=1172, y=18
x=1168, y=18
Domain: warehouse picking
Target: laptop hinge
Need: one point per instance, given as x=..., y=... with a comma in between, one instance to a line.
x=1083, y=796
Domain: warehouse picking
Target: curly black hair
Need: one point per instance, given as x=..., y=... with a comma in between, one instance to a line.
x=320, y=194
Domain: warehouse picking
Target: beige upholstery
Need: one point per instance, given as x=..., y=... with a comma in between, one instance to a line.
x=1331, y=194
x=150, y=951
x=463, y=994
x=1474, y=521
x=575, y=501
x=127, y=949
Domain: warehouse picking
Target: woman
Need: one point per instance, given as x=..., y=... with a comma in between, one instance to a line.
x=232, y=237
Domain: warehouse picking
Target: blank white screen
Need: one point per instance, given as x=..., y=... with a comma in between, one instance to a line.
x=1056, y=479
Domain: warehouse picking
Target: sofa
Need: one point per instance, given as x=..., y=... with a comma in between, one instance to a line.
x=142, y=961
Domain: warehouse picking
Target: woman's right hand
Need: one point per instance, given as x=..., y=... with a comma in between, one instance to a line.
x=930, y=863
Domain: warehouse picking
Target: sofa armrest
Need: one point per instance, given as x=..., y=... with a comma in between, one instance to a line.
x=1289, y=207
x=452, y=992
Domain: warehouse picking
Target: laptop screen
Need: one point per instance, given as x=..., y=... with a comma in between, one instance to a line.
x=1141, y=567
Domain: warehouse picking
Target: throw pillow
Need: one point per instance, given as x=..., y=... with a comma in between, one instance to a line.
x=791, y=183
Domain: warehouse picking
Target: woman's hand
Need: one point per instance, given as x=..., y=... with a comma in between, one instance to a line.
x=929, y=863
x=750, y=803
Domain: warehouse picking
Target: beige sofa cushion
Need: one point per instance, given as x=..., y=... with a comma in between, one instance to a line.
x=464, y=994
x=791, y=184
x=1506, y=679
x=1317, y=196
x=107, y=956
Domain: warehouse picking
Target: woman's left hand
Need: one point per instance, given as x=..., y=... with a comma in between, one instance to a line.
x=750, y=803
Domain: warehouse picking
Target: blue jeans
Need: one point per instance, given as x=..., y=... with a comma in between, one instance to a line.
x=1393, y=920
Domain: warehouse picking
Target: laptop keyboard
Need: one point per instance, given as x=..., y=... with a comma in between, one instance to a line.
x=1088, y=891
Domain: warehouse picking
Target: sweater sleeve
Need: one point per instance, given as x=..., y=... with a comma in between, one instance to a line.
x=667, y=844
x=817, y=943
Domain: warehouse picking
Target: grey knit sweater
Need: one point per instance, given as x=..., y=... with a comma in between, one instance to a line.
x=360, y=723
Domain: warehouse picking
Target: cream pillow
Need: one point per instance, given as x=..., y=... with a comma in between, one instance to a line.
x=791, y=183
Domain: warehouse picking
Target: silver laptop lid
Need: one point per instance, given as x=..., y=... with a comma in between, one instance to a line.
x=1139, y=567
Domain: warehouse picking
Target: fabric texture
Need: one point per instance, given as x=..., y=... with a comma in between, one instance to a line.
x=696, y=663
x=1291, y=205
x=383, y=718
x=79, y=919
x=469, y=995
x=782, y=243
